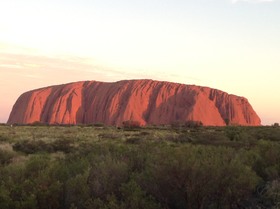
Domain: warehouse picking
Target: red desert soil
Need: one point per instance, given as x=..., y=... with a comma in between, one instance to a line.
x=146, y=101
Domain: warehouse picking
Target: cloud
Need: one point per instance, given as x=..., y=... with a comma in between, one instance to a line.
x=252, y=1
x=10, y=66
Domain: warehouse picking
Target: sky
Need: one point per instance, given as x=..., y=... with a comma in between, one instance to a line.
x=231, y=45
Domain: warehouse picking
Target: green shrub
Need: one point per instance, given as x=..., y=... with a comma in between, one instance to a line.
x=199, y=177
x=38, y=123
x=31, y=147
x=133, y=140
x=267, y=163
x=4, y=138
x=193, y=124
x=275, y=125
x=273, y=193
x=106, y=176
x=35, y=146
x=6, y=156
x=108, y=136
x=99, y=124
x=63, y=145
x=131, y=124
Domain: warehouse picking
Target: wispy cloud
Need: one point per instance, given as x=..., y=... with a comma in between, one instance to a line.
x=252, y=1
x=10, y=66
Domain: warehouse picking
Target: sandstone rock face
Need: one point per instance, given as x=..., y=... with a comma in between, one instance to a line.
x=146, y=101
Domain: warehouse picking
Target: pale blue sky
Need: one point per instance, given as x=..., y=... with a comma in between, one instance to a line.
x=230, y=45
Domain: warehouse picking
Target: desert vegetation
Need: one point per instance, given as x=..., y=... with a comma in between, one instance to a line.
x=169, y=167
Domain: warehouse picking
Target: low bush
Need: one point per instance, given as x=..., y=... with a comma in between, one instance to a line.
x=6, y=156
x=131, y=124
x=4, y=138
x=134, y=140
x=31, y=147
x=35, y=146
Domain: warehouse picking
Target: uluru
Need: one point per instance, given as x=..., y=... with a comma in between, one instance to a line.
x=147, y=101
